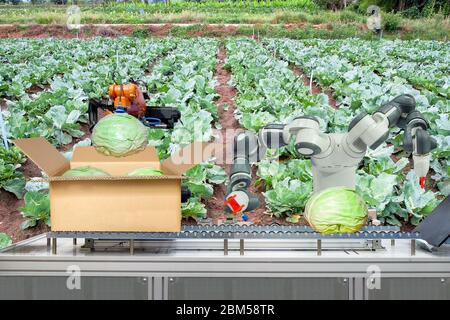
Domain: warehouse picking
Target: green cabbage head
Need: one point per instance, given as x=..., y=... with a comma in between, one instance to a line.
x=336, y=210
x=145, y=172
x=119, y=135
x=85, y=172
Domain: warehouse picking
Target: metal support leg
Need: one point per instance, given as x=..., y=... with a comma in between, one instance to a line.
x=88, y=246
x=376, y=244
x=413, y=247
x=319, y=247
x=392, y=242
x=225, y=247
x=49, y=243
x=74, y=241
x=54, y=243
x=160, y=288
x=131, y=246
x=241, y=247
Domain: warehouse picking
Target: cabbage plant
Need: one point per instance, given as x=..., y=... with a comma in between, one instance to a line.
x=336, y=210
x=145, y=172
x=86, y=171
x=119, y=134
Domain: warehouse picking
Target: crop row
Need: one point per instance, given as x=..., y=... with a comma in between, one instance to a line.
x=382, y=58
x=184, y=79
x=24, y=66
x=268, y=91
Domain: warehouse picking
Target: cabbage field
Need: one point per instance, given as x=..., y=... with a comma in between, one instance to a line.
x=45, y=84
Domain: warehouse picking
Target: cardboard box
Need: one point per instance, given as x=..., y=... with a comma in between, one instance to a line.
x=118, y=203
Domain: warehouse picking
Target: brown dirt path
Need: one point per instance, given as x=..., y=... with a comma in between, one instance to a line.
x=117, y=30
x=112, y=30
x=226, y=107
x=230, y=126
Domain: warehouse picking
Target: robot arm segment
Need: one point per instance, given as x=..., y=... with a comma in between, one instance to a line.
x=370, y=131
x=246, y=150
x=249, y=148
x=309, y=140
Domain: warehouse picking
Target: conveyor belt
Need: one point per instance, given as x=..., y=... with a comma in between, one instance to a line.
x=236, y=231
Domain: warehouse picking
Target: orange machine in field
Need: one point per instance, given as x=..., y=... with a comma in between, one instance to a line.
x=129, y=98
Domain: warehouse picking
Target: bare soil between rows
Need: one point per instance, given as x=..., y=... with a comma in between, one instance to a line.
x=226, y=106
x=116, y=30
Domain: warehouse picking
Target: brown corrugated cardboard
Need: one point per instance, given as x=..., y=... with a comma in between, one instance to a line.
x=186, y=158
x=117, y=203
x=138, y=205
x=44, y=155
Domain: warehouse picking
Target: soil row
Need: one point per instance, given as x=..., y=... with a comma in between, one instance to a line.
x=226, y=106
x=116, y=30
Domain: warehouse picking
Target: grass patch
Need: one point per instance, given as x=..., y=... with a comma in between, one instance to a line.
x=344, y=23
x=140, y=33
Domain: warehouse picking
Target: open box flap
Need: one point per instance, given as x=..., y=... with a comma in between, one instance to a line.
x=188, y=157
x=44, y=155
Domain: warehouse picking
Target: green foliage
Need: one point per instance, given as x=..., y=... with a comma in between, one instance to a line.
x=418, y=202
x=378, y=192
x=380, y=161
x=140, y=33
x=288, y=196
x=391, y=22
x=36, y=208
x=268, y=91
x=12, y=155
x=271, y=171
x=194, y=208
x=351, y=16
x=202, y=177
x=288, y=185
x=411, y=12
x=5, y=240
x=11, y=180
x=330, y=4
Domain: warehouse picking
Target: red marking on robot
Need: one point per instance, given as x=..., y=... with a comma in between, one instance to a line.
x=235, y=206
x=422, y=182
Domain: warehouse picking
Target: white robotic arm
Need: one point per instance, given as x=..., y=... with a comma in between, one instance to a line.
x=249, y=148
x=370, y=131
x=309, y=140
x=335, y=157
